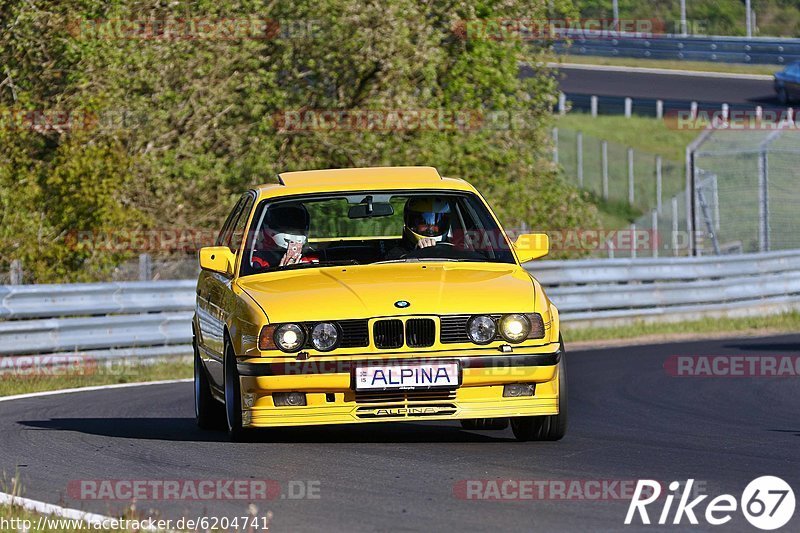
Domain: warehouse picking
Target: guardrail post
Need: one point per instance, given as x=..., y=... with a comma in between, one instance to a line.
x=659, y=109
x=693, y=108
x=562, y=104
x=658, y=183
x=593, y=105
x=633, y=241
x=725, y=112
x=145, y=267
x=604, y=157
x=579, y=141
x=630, y=176
x=628, y=107
x=555, y=146
x=16, y=272
x=759, y=112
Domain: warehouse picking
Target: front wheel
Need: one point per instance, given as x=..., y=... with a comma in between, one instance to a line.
x=233, y=396
x=208, y=411
x=548, y=427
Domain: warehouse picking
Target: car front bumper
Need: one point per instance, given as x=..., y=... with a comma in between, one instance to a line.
x=331, y=398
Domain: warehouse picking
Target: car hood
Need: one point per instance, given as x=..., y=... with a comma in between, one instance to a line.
x=372, y=290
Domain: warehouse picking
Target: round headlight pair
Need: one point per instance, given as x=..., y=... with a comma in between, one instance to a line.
x=482, y=329
x=292, y=337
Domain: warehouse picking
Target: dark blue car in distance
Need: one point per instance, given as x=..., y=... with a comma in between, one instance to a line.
x=787, y=83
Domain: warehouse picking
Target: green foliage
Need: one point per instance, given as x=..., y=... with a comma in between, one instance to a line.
x=169, y=131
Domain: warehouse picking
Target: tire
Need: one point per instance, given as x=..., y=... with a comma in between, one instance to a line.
x=208, y=412
x=547, y=427
x=783, y=96
x=233, y=397
x=484, y=423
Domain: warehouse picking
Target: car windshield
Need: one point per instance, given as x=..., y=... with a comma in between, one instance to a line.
x=372, y=227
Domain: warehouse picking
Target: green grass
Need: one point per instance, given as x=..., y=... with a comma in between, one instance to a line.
x=702, y=66
x=118, y=372
x=782, y=323
x=640, y=133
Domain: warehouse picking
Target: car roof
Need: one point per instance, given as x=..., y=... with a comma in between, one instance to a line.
x=361, y=179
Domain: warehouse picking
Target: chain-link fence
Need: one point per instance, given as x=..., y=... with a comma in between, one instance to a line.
x=637, y=181
x=615, y=172
x=145, y=267
x=753, y=204
x=746, y=195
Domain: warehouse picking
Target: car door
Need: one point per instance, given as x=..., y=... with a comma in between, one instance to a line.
x=213, y=288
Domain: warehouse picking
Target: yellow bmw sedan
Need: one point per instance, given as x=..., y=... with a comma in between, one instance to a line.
x=374, y=295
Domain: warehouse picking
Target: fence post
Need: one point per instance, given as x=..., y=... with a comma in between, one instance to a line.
x=675, y=226
x=658, y=183
x=763, y=199
x=145, y=267
x=555, y=146
x=633, y=241
x=630, y=176
x=579, y=140
x=725, y=112
x=659, y=109
x=654, y=235
x=628, y=107
x=593, y=105
x=16, y=272
x=604, y=154
x=693, y=108
x=562, y=104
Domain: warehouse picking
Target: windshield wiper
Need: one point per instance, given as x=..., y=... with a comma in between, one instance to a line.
x=317, y=264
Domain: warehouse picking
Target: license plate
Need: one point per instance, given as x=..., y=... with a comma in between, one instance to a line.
x=407, y=376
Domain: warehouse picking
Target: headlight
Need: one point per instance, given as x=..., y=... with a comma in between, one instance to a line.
x=481, y=329
x=290, y=337
x=325, y=336
x=515, y=328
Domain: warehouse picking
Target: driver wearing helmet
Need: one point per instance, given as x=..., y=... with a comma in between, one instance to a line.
x=427, y=221
x=283, y=235
x=426, y=224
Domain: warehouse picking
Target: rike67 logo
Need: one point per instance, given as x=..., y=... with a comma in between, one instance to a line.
x=767, y=503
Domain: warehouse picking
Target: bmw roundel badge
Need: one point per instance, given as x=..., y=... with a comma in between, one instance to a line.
x=402, y=304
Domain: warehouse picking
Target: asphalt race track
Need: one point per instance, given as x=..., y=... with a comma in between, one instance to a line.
x=629, y=419
x=677, y=91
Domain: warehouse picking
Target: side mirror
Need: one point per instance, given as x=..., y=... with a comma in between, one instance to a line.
x=217, y=259
x=530, y=246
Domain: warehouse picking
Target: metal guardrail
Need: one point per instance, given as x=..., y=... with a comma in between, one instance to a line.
x=759, y=50
x=144, y=319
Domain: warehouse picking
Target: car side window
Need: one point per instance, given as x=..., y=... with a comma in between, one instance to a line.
x=239, y=227
x=225, y=233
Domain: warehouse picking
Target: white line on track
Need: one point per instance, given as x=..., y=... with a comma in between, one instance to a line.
x=44, y=508
x=665, y=71
x=87, y=389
